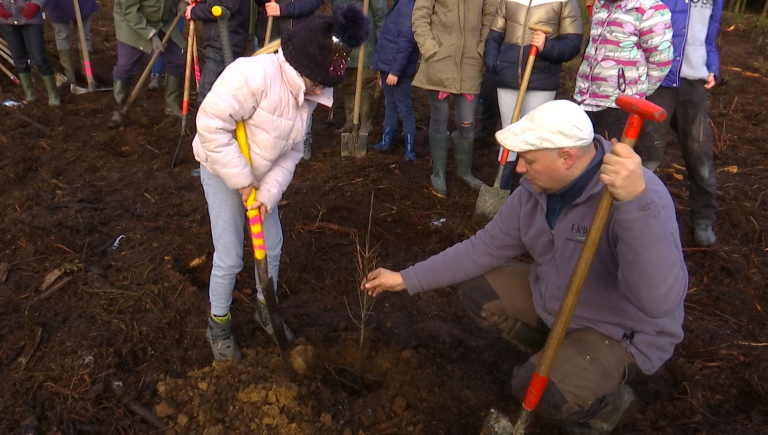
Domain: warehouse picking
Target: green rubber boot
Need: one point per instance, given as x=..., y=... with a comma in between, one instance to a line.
x=462, y=150
x=53, y=92
x=173, y=95
x=29, y=87
x=65, y=56
x=349, y=110
x=438, y=148
x=120, y=91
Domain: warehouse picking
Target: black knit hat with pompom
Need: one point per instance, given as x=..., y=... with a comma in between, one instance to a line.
x=319, y=49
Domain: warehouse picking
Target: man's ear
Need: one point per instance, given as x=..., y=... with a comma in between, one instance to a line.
x=569, y=157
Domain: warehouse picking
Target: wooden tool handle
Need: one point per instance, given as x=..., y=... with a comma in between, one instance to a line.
x=359, y=81
x=84, y=48
x=268, y=33
x=540, y=28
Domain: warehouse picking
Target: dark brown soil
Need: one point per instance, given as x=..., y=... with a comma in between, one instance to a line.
x=135, y=313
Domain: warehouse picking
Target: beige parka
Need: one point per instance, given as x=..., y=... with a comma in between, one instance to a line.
x=451, y=38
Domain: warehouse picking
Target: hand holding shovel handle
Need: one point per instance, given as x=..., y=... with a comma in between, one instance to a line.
x=151, y=63
x=521, y=93
x=639, y=110
x=268, y=34
x=255, y=220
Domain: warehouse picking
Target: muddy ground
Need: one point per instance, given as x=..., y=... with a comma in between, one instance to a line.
x=135, y=312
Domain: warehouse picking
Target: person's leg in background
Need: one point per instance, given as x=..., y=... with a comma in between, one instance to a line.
x=489, y=107
x=390, y=115
x=653, y=137
x=347, y=89
x=61, y=32
x=14, y=36
x=34, y=38
x=175, y=64
x=156, y=77
x=402, y=93
x=464, y=139
x=128, y=65
x=439, y=112
x=695, y=136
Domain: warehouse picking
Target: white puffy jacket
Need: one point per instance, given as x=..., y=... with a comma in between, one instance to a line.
x=268, y=95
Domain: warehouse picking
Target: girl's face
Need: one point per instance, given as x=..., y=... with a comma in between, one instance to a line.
x=312, y=88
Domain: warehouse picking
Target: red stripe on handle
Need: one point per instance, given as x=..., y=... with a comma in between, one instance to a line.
x=535, y=391
x=590, y=9
x=185, y=107
x=504, y=156
x=88, y=70
x=254, y=220
x=633, y=127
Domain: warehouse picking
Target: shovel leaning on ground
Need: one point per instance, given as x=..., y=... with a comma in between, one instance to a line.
x=356, y=143
x=265, y=282
x=639, y=110
x=77, y=90
x=491, y=199
x=148, y=68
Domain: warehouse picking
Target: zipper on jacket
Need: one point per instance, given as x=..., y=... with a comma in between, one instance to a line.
x=685, y=41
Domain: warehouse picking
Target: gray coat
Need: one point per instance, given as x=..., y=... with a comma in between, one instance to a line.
x=636, y=286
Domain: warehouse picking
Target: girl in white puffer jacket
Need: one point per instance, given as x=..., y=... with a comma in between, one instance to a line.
x=274, y=96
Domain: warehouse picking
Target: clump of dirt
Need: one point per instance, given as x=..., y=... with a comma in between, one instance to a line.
x=261, y=394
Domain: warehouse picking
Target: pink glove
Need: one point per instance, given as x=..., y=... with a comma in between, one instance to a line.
x=469, y=97
x=4, y=14
x=30, y=10
x=442, y=95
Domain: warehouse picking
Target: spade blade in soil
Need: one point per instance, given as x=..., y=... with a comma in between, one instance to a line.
x=277, y=322
x=489, y=203
x=361, y=145
x=347, y=143
x=490, y=200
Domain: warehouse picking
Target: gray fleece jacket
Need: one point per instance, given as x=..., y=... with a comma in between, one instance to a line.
x=636, y=286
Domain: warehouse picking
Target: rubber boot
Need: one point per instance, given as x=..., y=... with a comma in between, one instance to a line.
x=438, y=148
x=614, y=406
x=349, y=111
x=65, y=56
x=462, y=150
x=120, y=92
x=29, y=87
x=366, y=103
x=410, y=147
x=173, y=95
x=53, y=92
x=386, y=140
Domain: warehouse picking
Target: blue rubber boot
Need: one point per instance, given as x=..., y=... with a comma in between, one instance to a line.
x=386, y=140
x=410, y=147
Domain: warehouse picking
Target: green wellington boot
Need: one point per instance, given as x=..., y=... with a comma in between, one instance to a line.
x=173, y=95
x=438, y=148
x=462, y=150
x=29, y=87
x=120, y=91
x=53, y=92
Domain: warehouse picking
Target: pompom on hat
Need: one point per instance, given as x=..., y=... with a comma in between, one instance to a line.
x=319, y=49
x=556, y=124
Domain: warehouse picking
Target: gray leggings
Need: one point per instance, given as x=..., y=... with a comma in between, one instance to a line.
x=440, y=113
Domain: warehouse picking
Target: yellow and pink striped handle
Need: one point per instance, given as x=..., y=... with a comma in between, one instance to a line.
x=254, y=217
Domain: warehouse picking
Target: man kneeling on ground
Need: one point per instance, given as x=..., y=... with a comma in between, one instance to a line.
x=630, y=314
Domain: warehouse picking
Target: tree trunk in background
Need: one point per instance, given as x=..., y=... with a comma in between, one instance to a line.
x=734, y=6
x=765, y=9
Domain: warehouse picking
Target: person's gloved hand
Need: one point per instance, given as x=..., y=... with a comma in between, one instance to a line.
x=469, y=97
x=442, y=95
x=30, y=10
x=157, y=44
x=4, y=14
